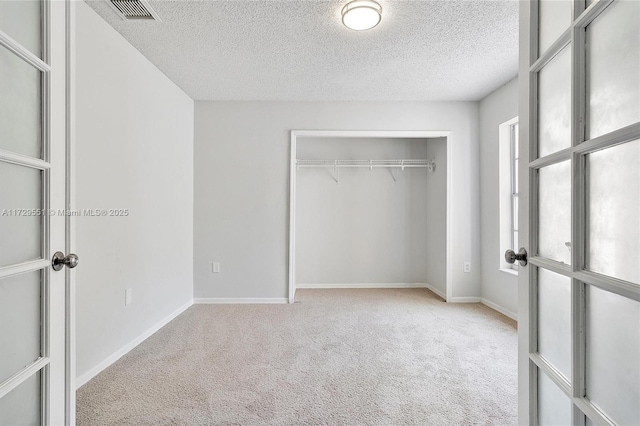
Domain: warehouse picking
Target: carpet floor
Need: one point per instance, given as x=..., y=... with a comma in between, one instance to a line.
x=335, y=357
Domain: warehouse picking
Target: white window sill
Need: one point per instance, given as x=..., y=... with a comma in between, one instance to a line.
x=510, y=272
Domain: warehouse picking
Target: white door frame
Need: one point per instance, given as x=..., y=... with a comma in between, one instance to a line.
x=413, y=134
x=525, y=83
x=70, y=205
x=54, y=350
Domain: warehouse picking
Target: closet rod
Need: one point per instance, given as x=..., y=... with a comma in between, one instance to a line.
x=366, y=163
x=336, y=165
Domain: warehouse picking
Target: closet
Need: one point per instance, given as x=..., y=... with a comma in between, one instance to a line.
x=370, y=212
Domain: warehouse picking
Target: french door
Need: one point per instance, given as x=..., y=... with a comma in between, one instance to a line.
x=579, y=322
x=32, y=199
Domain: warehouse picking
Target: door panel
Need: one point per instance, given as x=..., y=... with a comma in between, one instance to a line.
x=32, y=182
x=554, y=407
x=23, y=405
x=21, y=118
x=555, y=18
x=613, y=71
x=554, y=214
x=613, y=355
x=20, y=328
x=21, y=197
x=22, y=21
x=554, y=108
x=579, y=331
x=613, y=224
x=554, y=320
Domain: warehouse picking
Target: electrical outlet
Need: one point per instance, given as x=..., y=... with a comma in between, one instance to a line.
x=467, y=267
x=128, y=296
x=215, y=267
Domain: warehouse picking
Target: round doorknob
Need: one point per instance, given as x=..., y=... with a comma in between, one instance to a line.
x=59, y=260
x=511, y=256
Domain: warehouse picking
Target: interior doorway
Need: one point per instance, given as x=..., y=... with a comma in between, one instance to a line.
x=320, y=150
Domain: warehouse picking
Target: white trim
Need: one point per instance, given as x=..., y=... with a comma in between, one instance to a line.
x=35, y=265
x=509, y=123
x=509, y=271
x=528, y=46
x=54, y=152
x=501, y=309
x=369, y=134
x=22, y=160
x=363, y=285
x=292, y=219
x=240, y=301
x=21, y=376
x=437, y=291
x=464, y=300
x=24, y=54
x=449, y=224
x=129, y=346
x=70, y=204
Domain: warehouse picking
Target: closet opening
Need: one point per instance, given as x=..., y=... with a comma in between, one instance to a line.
x=370, y=209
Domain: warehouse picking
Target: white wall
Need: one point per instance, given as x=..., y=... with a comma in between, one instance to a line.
x=367, y=228
x=134, y=151
x=436, y=206
x=498, y=287
x=241, y=181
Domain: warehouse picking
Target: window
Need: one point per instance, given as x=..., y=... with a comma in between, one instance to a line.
x=513, y=136
x=508, y=190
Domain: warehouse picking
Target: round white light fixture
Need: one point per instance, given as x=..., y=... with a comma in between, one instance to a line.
x=361, y=14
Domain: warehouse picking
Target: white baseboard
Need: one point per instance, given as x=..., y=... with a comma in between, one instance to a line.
x=239, y=301
x=363, y=285
x=436, y=291
x=132, y=344
x=465, y=300
x=496, y=307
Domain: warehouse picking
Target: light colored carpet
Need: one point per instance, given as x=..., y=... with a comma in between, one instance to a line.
x=340, y=357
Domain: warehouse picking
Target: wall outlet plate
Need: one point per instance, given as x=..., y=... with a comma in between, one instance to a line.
x=467, y=267
x=128, y=296
x=215, y=267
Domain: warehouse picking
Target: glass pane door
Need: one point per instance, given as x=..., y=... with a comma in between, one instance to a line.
x=584, y=212
x=30, y=295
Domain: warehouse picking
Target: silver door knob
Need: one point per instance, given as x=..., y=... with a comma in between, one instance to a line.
x=59, y=260
x=511, y=256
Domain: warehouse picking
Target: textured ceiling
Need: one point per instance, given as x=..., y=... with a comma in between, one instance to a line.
x=300, y=51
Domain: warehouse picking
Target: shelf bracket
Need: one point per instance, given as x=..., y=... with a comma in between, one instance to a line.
x=431, y=165
x=336, y=170
x=394, y=174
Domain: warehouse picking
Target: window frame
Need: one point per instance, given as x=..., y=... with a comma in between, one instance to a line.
x=507, y=191
x=513, y=170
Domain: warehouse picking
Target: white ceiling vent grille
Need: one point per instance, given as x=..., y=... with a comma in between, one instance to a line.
x=133, y=9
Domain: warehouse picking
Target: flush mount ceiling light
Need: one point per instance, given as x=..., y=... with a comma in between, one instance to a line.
x=361, y=14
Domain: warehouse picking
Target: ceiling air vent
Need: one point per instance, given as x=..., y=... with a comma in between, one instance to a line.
x=133, y=9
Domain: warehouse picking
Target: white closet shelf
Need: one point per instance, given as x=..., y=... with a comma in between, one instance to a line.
x=394, y=165
x=430, y=164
